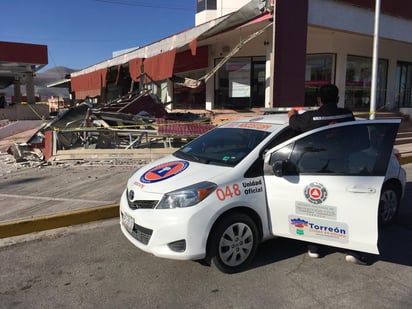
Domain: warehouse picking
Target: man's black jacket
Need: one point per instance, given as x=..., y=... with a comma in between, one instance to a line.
x=324, y=115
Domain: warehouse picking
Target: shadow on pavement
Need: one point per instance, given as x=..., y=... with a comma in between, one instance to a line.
x=395, y=240
x=14, y=182
x=277, y=249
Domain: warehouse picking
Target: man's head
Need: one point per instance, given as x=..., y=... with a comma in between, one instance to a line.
x=328, y=94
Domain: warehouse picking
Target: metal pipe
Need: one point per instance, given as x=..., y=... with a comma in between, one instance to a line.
x=375, y=60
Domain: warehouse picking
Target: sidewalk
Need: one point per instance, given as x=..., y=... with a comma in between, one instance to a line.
x=37, y=199
x=43, y=198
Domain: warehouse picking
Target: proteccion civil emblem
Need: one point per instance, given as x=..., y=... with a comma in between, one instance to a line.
x=164, y=171
x=316, y=193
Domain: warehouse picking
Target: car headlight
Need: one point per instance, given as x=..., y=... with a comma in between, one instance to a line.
x=188, y=196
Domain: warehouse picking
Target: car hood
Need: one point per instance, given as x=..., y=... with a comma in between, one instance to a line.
x=171, y=173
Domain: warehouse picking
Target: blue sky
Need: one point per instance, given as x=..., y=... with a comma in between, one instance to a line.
x=80, y=33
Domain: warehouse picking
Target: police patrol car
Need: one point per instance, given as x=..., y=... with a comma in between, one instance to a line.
x=246, y=181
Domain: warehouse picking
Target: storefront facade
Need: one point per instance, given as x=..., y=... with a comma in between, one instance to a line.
x=344, y=57
x=305, y=44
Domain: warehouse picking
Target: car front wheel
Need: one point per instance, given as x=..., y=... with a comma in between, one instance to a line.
x=388, y=204
x=233, y=243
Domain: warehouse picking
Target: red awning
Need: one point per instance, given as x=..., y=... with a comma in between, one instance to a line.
x=103, y=75
x=160, y=67
x=193, y=47
x=164, y=65
x=157, y=68
x=90, y=84
x=186, y=61
x=135, y=68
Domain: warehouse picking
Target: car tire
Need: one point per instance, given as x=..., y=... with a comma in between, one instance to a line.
x=388, y=204
x=233, y=243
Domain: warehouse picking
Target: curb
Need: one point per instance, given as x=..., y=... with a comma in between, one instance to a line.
x=42, y=223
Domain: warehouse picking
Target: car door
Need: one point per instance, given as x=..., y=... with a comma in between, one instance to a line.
x=323, y=186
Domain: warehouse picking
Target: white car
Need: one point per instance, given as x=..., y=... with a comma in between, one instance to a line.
x=249, y=180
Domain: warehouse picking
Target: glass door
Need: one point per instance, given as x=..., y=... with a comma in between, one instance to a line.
x=258, y=84
x=403, y=85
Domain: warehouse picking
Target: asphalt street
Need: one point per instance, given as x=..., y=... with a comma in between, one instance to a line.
x=93, y=265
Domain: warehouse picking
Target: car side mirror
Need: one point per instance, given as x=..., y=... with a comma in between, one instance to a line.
x=278, y=168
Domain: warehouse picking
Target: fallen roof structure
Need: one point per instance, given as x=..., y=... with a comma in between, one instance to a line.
x=137, y=127
x=137, y=123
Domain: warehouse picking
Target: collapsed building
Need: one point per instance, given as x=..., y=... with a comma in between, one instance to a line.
x=114, y=130
x=120, y=105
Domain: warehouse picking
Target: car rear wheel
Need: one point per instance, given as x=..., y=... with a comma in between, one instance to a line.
x=233, y=243
x=388, y=204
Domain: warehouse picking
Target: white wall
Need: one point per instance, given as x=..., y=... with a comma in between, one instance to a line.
x=224, y=7
x=338, y=15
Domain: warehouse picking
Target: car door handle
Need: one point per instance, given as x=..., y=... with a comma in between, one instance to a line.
x=360, y=189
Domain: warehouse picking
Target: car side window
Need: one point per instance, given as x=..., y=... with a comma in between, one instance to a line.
x=256, y=169
x=286, y=134
x=361, y=150
x=324, y=152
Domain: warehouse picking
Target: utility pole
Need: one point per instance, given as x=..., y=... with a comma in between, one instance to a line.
x=375, y=60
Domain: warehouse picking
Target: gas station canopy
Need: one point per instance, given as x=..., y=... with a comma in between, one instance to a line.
x=18, y=59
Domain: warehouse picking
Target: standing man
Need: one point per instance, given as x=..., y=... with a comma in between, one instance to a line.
x=327, y=113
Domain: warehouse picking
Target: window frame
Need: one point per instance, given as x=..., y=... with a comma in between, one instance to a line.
x=355, y=159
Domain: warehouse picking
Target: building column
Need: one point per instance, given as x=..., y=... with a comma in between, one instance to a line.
x=169, y=94
x=17, y=91
x=390, y=100
x=210, y=85
x=210, y=94
x=289, y=49
x=268, y=77
x=340, y=81
x=30, y=88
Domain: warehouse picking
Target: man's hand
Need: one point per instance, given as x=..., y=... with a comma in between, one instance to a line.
x=292, y=112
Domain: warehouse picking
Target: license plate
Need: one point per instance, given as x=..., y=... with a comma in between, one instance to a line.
x=128, y=222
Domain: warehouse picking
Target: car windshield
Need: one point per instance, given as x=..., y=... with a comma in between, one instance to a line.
x=222, y=146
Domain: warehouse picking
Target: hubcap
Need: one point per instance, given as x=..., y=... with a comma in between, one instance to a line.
x=236, y=244
x=389, y=204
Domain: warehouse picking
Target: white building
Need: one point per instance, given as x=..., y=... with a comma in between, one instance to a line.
x=253, y=54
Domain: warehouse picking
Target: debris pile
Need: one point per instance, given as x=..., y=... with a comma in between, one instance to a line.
x=87, y=131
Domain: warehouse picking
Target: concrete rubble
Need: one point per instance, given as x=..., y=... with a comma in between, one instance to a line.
x=110, y=131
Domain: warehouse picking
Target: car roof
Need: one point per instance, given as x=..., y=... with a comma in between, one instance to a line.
x=276, y=122
x=281, y=119
x=275, y=119
x=269, y=123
